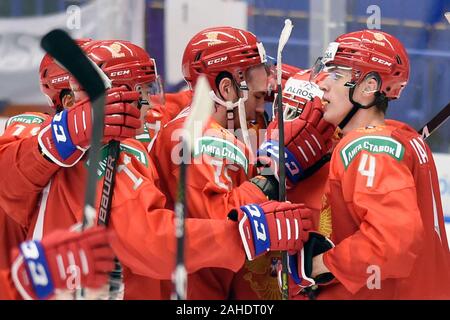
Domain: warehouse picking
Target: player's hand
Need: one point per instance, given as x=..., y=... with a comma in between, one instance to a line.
x=272, y=226
x=63, y=260
x=66, y=137
x=301, y=268
x=307, y=140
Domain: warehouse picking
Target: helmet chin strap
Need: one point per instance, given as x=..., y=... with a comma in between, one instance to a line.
x=230, y=106
x=356, y=105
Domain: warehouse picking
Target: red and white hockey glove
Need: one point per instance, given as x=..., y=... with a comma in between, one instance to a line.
x=307, y=140
x=301, y=265
x=272, y=226
x=67, y=137
x=63, y=260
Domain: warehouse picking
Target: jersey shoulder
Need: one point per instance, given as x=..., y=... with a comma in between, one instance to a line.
x=374, y=160
x=376, y=141
x=176, y=102
x=24, y=125
x=216, y=142
x=27, y=118
x=129, y=149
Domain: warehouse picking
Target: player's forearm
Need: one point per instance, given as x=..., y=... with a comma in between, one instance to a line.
x=25, y=166
x=146, y=242
x=216, y=203
x=25, y=173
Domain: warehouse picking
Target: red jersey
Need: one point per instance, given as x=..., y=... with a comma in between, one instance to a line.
x=385, y=218
x=159, y=115
x=146, y=237
x=315, y=184
x=13, y=231
x=175, y=102
x=217, y=181
x=7, y=289
x=313, y=197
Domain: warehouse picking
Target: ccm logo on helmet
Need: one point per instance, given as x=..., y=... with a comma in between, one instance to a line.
x=120, y=73
x=60, y=79
x=217, y=60
x=381, y=61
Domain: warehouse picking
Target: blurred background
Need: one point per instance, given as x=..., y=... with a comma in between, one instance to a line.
x=164, y=28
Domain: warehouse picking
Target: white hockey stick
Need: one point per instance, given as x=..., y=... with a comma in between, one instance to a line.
x=201, y=110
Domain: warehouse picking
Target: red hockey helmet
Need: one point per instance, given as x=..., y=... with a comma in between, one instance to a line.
x=54, y=79
x=129, y=65
x=218, y=49
x=370, y=51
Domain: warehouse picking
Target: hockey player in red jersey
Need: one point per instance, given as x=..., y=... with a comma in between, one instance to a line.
x=145, y=233
x=54, y=83
x=298, y=92
x=218, y=183
x=57, y=265
x=218, y=180
x=383, y=210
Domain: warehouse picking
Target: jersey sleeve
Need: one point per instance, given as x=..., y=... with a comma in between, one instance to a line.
x=25, y=172
x=146, y=232
x=379, y=191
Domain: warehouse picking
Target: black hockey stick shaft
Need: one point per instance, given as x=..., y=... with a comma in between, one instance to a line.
x=179, y=282
x=436, y=122
x=104, y=214
x=64, y=49
x=282, y=188
x=284, y=37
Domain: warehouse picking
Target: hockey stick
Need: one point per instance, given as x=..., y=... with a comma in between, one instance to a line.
x=201, y=110
x=436, y=122
x=60, y=46
x=115, y=277
x=441, y=117
x=284, y=37
x=64, y=49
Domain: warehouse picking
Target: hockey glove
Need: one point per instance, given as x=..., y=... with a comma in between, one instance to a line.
x=67, y=137
x=272, y=226
x=301, y=264
x=308, y=140
x=63, y=260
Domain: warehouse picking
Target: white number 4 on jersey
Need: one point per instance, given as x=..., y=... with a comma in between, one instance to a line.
x=370, y=171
